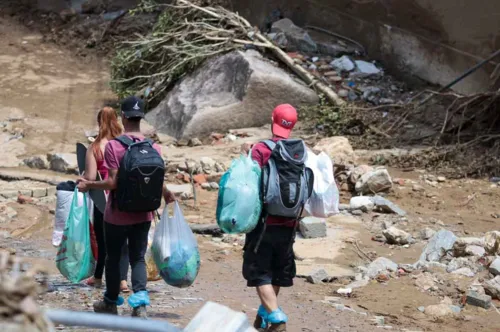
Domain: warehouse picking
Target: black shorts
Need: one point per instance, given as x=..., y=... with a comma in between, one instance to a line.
x=274, y=262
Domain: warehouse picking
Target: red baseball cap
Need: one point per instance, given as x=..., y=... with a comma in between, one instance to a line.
x=284, y=119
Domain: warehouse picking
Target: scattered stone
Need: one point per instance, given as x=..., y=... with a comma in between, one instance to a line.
x=363, y=203
x=358, y=172
x=438, y=245
x=381, y=265
x=39, y=192
x=357, y=213
x=427, y=233
x=458, y=263
x=386, y=101
x=9, y=194
x=37, y=162
x=344, y=291
x=205, y=186
x=338, y=148
x=343, y=93
x=417, y=188
x=492, y=242
x=441, y=179
x=194, y=142
x=63, y=162
x=492, y=287
x=365, y=69
x=343, y=64
x=187, y=195
x=387, y=206
x=464, y=271
x=473, y=250
x=421, y=308
x=317, y=276
x=479, y=300
x=344, y=207
x=358, y=284
x=426, y=281
x=374, y=182
x=408, y=268
x=7, y=214
x=438, y=310
x=397, y=236
x=495, y=267
x=474, y=244
x=214, y=186
x=225, y=93
x=311, y=227
x=297, y=39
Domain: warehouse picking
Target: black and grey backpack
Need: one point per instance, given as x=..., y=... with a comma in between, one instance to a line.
x=286, y=182
x=140, y=177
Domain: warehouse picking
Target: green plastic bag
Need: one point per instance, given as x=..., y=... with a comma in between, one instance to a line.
x=75, y=259
x=239, y=204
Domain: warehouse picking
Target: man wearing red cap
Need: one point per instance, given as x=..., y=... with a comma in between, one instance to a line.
x=272, y=265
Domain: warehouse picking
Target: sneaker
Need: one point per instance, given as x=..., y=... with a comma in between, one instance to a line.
x=257, y=324
x=280, y=327
x=104, y=307
x=140, y=312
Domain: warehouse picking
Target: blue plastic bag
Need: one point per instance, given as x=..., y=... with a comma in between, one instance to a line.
x=239, y=204
x=75, y=259
x=175, y=250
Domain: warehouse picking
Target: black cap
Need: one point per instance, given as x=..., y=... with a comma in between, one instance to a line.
x=132, y=107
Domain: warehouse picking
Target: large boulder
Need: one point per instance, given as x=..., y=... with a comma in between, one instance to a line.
x=375, y=181
x=236, y=90
x=338, y=148
x=295, y=38
x=63, y=162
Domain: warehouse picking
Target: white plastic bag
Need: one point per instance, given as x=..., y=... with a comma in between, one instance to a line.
x=175, y=250
x=64, y=199
x=324, y=201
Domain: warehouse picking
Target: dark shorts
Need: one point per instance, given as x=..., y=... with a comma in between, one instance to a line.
x=274, y=262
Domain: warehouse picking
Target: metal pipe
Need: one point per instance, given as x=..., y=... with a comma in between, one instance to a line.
x=108, y=322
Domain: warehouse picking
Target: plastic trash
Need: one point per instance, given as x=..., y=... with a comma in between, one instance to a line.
x=239, y=204
x=64, y=198
x=324, y=201
x=75, y=259
x=175, y=250
x=151, y=268
x=137, y=299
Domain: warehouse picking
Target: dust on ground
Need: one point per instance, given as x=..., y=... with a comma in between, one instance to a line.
x=57, y=94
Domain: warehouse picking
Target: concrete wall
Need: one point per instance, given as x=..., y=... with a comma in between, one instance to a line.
x=435, y=40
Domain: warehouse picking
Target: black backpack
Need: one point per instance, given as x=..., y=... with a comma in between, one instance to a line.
x=140, y=177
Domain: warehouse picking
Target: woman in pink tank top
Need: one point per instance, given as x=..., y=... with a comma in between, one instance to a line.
x=109, y=128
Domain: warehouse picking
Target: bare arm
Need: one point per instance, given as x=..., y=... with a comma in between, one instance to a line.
x=109, y=184
x=90, y=165
x=168, y=196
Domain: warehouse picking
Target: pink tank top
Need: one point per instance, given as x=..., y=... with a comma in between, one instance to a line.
x=103, y=171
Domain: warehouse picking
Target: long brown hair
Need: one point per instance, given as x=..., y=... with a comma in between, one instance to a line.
x=109, y=128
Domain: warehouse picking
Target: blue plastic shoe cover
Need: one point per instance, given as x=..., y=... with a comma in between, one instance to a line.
x=277, y=316
x=137, y=299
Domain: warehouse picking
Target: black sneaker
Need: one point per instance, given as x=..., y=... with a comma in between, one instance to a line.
x=103, y=307
x=140, y=312
x=257, y=324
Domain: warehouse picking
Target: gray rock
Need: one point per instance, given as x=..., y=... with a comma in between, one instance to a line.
x=387, y=206
x=311, y=227
x=318, y=276
x=39, y=192
x=358, y=284
x=459, y=263
x=441, y=242
x=464, y=271
x=37, y=162
x=427, y=233
x=7, y=214
x=425, y=281
x=492, y=242
x=297, y=38
x=479, y=300
x=381, y=265
x=357, y=212
x=363, y=203
x=205, y=186
x=374, y=182
x=492, y=287
x=9, y=194
x=397, y=236
x=214, y=186
x=194, y=142
x=365, y=69
x=495, y=267
x=473, y=250
x=456, y=309
x=63, y=162
x=438, y=310
x=343, y=93
x=226, y=93
x=343, y=64
x=344, y=207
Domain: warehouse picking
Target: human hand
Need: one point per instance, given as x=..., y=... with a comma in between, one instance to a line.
x=169, y=197
x=82, y=185
x=245, y=148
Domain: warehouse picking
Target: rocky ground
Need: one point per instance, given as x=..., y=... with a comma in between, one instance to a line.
x=365, y=270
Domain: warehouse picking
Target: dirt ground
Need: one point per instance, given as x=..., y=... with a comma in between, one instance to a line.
x=58, y=94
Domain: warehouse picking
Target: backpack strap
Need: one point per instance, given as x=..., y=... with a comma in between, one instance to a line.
x=270, y=144
x=125, y=140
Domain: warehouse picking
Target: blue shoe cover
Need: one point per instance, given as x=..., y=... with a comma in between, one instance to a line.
x=277, y=316
x=262, y=312
x=118, y=302
x=137, y=299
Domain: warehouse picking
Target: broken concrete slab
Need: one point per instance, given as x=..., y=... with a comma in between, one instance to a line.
x=479, y=300
x=387, y=206
x=438, y=245
x=381, y=265
x=311, y=227
x=318, y=276
x=39, y=192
